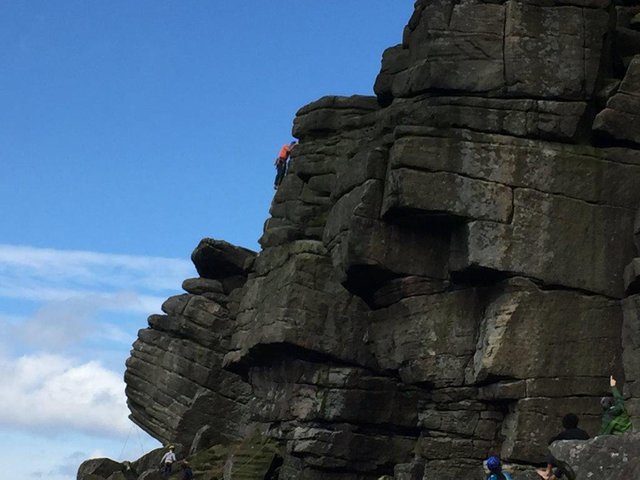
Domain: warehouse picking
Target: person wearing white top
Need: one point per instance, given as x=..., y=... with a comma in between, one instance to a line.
x=167, y=461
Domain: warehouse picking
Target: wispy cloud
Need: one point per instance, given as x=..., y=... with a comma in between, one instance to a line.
x=123, y=282
x=54, y=300
x=56, y=326
x=48, y=393
x=119, y=301
x=69, y=290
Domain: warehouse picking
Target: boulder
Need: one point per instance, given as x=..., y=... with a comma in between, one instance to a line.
x=149, y=461
x=614, y=457
x=200, y=286
x=217, y=259
x=99, y=467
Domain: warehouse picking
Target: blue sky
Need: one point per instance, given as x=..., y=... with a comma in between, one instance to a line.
x=128, y=131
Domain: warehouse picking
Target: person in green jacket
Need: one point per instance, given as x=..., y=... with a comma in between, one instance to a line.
x=615, y=418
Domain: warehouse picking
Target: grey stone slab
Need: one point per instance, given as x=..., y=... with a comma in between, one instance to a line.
x=553, y=51
x=575, y=171
x=526, y=117
x=217, y=259
x=443, y=192
x=466, y=56
x=554, y=239
x=428, y=338
x=584, y=323
x=614, y=457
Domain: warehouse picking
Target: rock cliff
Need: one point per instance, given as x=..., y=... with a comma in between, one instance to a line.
x=448, y=267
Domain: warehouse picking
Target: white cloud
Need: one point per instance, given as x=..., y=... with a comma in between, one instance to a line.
x=52, y=300
x=71, y=288
x=57, y=326
x=119, y=301
x=121, y=282
x=47, y=393
x=83, y=264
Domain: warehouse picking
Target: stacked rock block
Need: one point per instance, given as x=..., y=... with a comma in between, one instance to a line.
x=614, y=457
x=176, y=389
x=442, y=273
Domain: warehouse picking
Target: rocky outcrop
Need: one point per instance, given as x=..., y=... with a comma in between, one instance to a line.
x=614, y=457
x=448, y=267
x=173, y=392
x=99, y=468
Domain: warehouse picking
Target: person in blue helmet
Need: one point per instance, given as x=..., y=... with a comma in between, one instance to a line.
x=495, y=469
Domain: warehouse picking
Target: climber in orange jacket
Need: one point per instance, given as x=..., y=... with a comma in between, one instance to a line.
x=281, y=163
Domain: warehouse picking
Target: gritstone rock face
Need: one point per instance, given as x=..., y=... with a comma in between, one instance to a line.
x=442, y=273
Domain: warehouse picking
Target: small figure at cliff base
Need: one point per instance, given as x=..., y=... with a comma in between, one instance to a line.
x=495, y=469
x=187, y=473
x=615, y=418
x=281, y=163
x=557, y=469
x=167, y=461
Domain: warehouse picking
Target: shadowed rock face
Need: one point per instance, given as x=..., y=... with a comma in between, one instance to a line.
x=442, y=272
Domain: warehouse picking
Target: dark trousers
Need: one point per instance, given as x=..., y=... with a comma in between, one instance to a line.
x=281, y=169
x=166, y=470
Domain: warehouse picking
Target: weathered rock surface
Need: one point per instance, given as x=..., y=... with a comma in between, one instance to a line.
x=614, y=457
x=544, y=229
x=447, y=270
x=99, y=468
x=621, y=118
x=175, y=388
